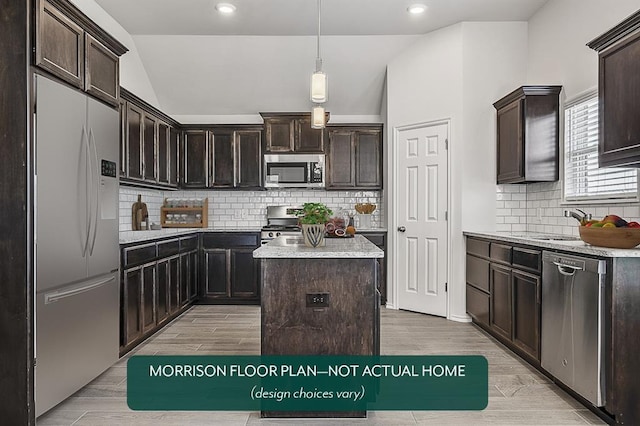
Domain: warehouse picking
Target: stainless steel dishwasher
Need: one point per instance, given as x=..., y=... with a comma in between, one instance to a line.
x=572, y=323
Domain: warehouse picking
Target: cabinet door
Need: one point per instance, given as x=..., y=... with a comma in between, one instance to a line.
x=217, y=281
x=102, y=71
x=193, y=275
x=162, y=291
x=478, y=305
x=134, y=142
x=195, y=154
x=174, y=149
x=149, y=148
x=619, y=87
x=132, y=304
x=248, y=158
x=59, y=44
x=222, y=159
x=526, y=306
x=510, y=143
x=244, y=274
x=368, y=159
x=308, y=139
x=163, y=152
x=122, y=109
x=185, y=277
x=341, y=164
x=500, y=312
x=279, y=134
x=174, y=284
x=148, y=297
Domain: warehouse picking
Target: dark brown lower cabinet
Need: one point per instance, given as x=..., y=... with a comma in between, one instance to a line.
x=526, y=312
x=163, y=304
x=148, y=297
x=478, y=305
x=230, y=273
x=158, y=282
x=501, y=304
x=131, y=319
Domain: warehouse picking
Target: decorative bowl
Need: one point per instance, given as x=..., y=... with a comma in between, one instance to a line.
x=624, y=238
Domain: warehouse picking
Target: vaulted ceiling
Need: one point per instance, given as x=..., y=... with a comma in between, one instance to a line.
x=260, y=59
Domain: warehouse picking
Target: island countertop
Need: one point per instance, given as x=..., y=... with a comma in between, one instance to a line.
x=293, y=247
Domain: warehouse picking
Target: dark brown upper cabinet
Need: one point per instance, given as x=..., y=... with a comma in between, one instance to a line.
x=72, y=47
x=354, y=157
x=195, y=151
x=619, y=94
x=287, y=132
x=528, y=135
x=150, y=146
x=134, y=117
x=102, y=71
x=163, y=152
x=233, y=155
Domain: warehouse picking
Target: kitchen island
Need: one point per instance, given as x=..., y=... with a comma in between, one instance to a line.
x=319, y=301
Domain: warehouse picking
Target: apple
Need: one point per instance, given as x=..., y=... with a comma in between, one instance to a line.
x=633, y=225
x=616, y=220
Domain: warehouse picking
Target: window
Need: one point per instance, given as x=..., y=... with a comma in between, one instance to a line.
x=583, y=180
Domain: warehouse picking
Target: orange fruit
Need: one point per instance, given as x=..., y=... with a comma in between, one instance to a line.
x=351, y=230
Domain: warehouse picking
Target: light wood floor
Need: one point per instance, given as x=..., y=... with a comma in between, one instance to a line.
x=518, y=394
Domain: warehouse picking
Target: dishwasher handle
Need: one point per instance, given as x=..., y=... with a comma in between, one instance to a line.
x=567, y=270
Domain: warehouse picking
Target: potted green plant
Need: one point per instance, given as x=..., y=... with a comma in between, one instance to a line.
x=313, y=218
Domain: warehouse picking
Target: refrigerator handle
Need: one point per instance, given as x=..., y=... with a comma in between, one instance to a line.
x=54, y=296
x=85, y=143
x=95, y=175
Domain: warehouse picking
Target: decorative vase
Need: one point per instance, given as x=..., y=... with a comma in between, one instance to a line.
x=313, y=235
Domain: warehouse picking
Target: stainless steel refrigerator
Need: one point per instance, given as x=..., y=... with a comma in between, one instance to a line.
x=76, y=240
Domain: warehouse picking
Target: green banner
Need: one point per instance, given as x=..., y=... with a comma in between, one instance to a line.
x=307, y=383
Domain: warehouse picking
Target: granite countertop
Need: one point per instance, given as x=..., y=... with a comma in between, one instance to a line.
x=127, y=237
x=293, y=247
x=573, y=245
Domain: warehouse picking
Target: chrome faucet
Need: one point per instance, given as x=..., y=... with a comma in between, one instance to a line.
x=582, y=219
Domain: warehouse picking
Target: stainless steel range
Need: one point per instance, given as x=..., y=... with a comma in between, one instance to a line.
x=281, y=220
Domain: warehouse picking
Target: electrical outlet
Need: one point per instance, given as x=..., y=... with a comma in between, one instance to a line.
x=317, y=300
x=245, y=214
x=237, y=214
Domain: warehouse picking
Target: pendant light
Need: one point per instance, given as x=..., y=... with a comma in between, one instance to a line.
x=319, y=78
x=318, y=86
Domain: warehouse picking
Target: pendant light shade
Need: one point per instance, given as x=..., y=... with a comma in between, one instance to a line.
x=317, y=117
x=318, y=87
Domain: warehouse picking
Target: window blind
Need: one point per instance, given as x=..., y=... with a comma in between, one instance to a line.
x=583, y=180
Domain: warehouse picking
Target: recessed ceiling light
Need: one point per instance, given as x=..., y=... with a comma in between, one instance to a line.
x=225, y=8
x=416, y=9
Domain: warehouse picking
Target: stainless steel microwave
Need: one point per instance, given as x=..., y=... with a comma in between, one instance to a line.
x=294, y=171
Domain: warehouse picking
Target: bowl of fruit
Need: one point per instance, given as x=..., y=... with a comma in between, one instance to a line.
x=612, y=231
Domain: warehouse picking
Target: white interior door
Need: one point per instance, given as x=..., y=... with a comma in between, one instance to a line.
x=421, y=217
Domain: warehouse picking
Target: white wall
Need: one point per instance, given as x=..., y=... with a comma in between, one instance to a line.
x=558, y=34
x=133, y=75
x=457, y=73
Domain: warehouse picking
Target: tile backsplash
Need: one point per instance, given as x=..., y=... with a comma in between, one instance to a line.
x=537, y=208
x=245, y=209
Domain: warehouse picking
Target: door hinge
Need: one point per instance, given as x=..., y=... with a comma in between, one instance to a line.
x=446, y=287
x=446, y=215
x=446, y=144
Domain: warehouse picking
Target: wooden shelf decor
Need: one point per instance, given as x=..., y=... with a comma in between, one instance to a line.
x=185, y=214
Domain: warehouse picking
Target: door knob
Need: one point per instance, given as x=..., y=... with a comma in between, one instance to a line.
x=401, y=228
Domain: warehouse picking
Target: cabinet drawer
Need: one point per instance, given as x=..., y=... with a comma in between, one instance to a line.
x=188, y=243
x=478, y=272
x=168, y=248
x=377, y=239
x=527, y=259
x=478, y=247
x=138, y=254
x=478, y=305
x=230, y=240
x=500, y=253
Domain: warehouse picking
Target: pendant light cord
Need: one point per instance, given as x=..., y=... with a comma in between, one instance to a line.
x=318, y=58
